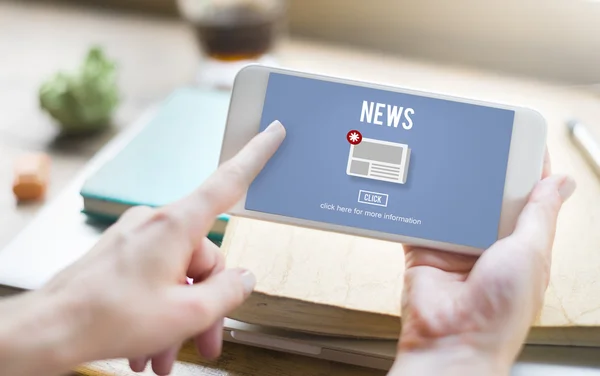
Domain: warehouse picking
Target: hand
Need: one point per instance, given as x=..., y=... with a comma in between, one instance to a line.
x=468, y=315
x=128, y=296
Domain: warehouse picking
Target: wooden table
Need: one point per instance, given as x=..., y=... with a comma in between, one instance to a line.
x=237, y=360
x=156, y=56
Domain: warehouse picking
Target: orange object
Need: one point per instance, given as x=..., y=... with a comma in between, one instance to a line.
x=32, y=172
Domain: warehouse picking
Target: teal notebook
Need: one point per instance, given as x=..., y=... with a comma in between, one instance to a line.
x=170, y=157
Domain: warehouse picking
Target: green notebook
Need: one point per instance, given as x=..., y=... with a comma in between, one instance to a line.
x=170, y=157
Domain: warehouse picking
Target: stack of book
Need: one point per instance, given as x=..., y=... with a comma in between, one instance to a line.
x=170, y=157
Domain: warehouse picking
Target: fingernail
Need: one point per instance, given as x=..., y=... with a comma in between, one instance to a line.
x=275, y=126
x=138, y=364
x=248, y=280
x=567, y=187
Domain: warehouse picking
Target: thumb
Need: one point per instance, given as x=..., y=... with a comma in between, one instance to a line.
x=215, y=297
x=526, y=254
x=537, y=223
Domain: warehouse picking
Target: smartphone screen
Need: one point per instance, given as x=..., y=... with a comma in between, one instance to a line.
x=391, y=162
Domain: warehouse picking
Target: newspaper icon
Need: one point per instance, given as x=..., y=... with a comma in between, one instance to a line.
x=379, y=160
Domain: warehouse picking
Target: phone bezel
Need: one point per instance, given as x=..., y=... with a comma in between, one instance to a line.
x=525, y=161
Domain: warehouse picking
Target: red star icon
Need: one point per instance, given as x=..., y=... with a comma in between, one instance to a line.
x=354, y=137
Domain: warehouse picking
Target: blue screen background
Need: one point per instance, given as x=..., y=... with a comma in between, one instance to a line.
x=457, y=169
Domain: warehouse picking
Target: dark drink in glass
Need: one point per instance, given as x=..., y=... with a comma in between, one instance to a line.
x=233, y=33
x=242, y=32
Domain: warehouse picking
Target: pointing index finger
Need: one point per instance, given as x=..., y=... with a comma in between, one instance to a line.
x=226, y=186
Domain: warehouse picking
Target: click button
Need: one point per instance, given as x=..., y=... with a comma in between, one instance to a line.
x=373, y=198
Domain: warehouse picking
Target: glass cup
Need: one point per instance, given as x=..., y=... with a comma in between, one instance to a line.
x=232, y=34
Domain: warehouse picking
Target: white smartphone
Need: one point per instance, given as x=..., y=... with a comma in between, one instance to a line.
x=385, y=162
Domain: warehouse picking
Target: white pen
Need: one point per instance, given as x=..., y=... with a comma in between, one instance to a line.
x=586, y=142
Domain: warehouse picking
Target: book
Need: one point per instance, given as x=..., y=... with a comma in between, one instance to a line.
x=169, y=158
x=316, y=281
x=339, y=285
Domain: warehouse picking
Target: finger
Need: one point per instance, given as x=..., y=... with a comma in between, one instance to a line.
x=128, y=221
x=207, y=302
x=162, y=364
x=134, y=216
x=226, y=186
x=526, y=253
x=205, y=260
x=536, y=224
x=547, y=170
x=210, y=343
x=138, y=364
x=514, y=272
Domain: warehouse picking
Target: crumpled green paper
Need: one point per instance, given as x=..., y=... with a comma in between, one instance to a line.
x=84, y=100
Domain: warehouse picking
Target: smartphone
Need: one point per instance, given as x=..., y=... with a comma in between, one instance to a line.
x=385, y=162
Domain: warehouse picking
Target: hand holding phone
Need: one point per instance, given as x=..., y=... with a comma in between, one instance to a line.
x=483, y=306
x=418, y=168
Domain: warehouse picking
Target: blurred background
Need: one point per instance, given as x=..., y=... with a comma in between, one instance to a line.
x=557, y=40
